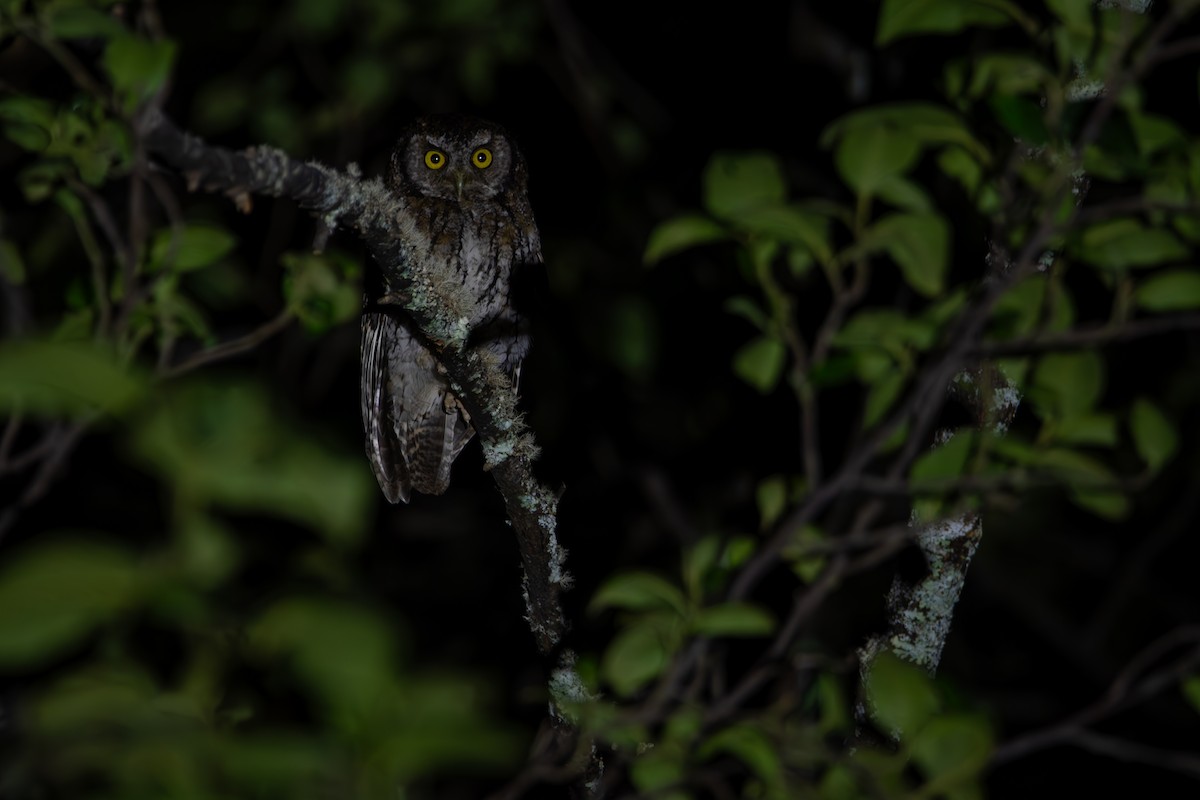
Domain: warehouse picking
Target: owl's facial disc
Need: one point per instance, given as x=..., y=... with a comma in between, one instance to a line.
x=460, y=168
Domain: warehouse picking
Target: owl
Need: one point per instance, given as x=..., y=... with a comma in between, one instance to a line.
x=464, y=184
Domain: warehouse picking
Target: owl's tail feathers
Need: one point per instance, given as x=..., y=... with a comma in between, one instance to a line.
x=434, y=439
x=383, y=450
x=390, y=469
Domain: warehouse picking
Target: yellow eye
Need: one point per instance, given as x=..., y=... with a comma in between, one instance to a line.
x=482, y=157
x=436, y=159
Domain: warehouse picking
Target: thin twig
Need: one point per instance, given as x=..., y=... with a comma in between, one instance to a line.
x=1123, y=692
x=53, y=451
x=1090, y=337
x=1174, y=50
x=1174, y=760
x=11, y=428
x=33, y=455
x=104, y=219
x=65, y=58
x=234, y=347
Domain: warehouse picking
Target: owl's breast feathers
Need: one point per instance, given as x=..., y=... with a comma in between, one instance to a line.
x=415, y=426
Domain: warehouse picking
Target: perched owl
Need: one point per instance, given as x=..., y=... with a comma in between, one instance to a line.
x=464, y=184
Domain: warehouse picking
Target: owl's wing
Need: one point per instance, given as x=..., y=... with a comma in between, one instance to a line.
x=415, y=427
x=383, y=450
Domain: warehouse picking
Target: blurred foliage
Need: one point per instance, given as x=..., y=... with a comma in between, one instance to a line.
x=233, y=634
x=200, y=717
x=141, y=664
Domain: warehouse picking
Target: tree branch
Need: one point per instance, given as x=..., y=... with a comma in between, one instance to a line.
x=233, y=347
x=1083, y=338
x=1124, y=692
x=437, y=305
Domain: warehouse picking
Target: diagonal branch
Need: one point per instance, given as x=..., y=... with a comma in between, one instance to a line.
x=437, y=305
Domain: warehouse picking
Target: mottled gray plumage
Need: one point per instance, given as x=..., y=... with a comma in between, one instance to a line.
x=464, y=184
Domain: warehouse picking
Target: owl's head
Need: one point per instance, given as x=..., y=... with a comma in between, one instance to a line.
x=457, y=158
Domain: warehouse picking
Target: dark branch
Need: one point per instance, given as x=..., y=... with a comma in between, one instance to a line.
x=1081, y=338
x=1124, y=692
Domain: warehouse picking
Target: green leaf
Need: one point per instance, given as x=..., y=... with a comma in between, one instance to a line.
x=840, y=782
x=655, y=771
x=192, y=247
x=33, y=111
x=67, y=378
x=683, y=725
x=1022, y=117
x=636, y=656
x=1170, y=290
x=53, y=596
x=952, y=748
x=697, y=562
x=39, y=180
x=919, y=244
x=319, y=289
x=1153, y=434
x=1125, y=243
x=1024, y=308
x=225, y=443
x=138, y=68
x=947, y=460
x=1087, y=428
x=771, y=495
x=638, y=591
x=681, y=233
x=1005, y=74
x=904, y=194
x=807, y=561
x=282, y=760
x=753, y=747
x=733, y=619
x=832, y=704
x=790, y=225
x=1069, y=383
x=70, y=21
x=867, y=158
x=1092, y=484
x=1191, y=691
x=207, y=550
x=943, y=311
x=342, y=652
x=28, y=121
x=631, y=335
x=1154, y=132
x=1072, y=12
x=760, y=362
x=12, y=266
x=749, y=310
x=1075, y=467
x=927, y=123
x=1109, y=504
x=900, y=696
x=961, y=166
x=366, y=80
x=901, y=18
x=882, y=395
x=884, y=329
x=737, y=182
x=737, y=551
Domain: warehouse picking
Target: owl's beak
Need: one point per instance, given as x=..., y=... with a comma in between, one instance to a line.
x=459, y=179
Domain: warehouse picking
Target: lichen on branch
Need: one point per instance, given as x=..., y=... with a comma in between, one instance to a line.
x=436, y=303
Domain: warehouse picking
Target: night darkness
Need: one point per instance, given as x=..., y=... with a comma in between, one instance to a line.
x=653, y=441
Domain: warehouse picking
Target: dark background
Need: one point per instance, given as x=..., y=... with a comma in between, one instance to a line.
x=617, y=108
